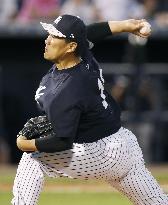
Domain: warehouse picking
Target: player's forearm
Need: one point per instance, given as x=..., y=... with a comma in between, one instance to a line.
x=132, y=26
x=26, y=145
x=129, y=25
x=98, y=31
x=118, y=26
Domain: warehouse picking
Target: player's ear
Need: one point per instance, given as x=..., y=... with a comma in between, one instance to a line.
x=71, y=47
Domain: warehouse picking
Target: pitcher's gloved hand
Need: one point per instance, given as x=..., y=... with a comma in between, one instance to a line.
x=36, y=127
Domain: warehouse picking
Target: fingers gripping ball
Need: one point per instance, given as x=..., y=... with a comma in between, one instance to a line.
x=146, y=29
x=36, y=127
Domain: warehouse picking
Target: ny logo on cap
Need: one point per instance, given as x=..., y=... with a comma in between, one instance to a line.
x=58, y=19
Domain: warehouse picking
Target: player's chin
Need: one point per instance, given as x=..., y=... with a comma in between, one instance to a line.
x=46, y=56
x=49, y=58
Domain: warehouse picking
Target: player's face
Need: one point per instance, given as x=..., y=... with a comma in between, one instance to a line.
x=56, y=49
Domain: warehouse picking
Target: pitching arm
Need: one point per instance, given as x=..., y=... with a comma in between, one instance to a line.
x=99, y=31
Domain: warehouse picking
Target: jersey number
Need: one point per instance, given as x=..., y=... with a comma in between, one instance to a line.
x=101, y=88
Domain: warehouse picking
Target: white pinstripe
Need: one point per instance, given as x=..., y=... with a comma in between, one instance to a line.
x=117, y=159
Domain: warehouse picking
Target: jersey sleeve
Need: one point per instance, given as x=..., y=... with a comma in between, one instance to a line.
x=64, y=110
x=98, y=31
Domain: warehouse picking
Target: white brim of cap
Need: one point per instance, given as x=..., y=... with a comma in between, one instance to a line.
x=52, y=30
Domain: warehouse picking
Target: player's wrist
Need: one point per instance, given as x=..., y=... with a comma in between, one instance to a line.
x=129, y=25
x=26, y=145
x=122, y=26
x=133, y=25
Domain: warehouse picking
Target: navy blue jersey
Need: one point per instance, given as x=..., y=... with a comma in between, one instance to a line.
x=76, y=103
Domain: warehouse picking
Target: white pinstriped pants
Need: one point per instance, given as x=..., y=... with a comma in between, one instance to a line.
x=116, y=159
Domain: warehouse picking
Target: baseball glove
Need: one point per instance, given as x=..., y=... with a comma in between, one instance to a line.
x=36, y=127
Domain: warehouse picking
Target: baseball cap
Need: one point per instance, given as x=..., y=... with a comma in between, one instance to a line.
x=67, y=26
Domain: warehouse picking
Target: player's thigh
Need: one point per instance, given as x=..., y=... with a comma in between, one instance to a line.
x=28, y=182
x=141, y=188
x=79, y=162
x=64, y=163
x=27, y=164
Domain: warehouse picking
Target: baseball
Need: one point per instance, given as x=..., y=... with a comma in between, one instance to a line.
x=146, y=29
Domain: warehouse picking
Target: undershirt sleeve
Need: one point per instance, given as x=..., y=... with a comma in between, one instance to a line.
x=52, y=143
x=98, y=31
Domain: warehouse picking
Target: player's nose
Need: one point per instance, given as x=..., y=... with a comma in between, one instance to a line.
x=48, y=39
